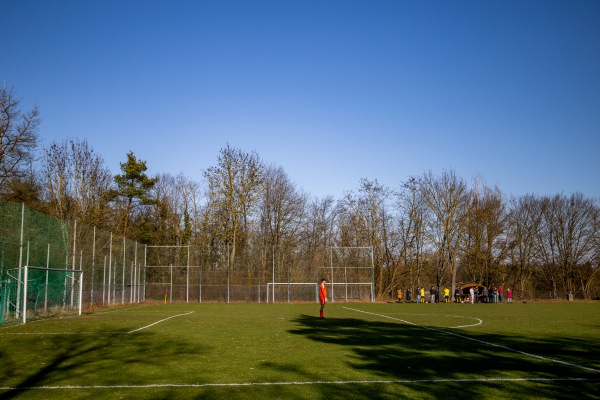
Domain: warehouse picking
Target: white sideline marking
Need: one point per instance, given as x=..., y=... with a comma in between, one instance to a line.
x=464, y=326
x=447, y=315
x=364, y=382
x=158, y=322
x=477, y=340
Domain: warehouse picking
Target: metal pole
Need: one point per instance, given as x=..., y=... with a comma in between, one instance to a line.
x=104, y=281
x=17, y=307
x=47, y=277
x=80, y=291
x=25, y=273
x=372, y=277
x=123, y=277
x=109, y=267
x=187, y=278
x=93, y=265
x=331, y=265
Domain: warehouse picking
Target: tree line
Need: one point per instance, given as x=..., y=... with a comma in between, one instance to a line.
x=432, y=229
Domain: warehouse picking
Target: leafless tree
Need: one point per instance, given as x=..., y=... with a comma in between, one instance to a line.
x=282, y=210
x=369, y=222
x=234, y=187
x=485, y=244
x=525, y=218
x=76, y=182
x=566, y=240
x=18, y=137
x=446, y=200
x=412, y=230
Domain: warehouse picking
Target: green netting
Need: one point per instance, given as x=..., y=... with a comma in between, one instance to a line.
x=45, y=239
x=48, y=292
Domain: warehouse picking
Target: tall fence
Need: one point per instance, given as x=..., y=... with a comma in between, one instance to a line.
x=117, y=270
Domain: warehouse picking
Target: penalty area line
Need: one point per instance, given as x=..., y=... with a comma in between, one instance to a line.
x=352, y=382
x=477, y=340
x=158, y=322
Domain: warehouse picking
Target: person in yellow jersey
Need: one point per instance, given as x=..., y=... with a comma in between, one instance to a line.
x=446, y=295
x=399, y=295
x=422, y=294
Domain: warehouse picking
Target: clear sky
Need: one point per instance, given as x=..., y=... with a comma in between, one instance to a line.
x=331, y=90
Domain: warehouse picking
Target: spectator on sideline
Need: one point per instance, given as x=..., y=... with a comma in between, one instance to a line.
x=485, y=295
x=495, y=294
x=432, y=294
x=500, y=293
x=472, y=293
x=508, y=295
x=408, y=296
x=457, y=295
x=322, y=296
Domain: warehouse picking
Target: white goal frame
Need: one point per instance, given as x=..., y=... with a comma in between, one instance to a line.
x=272, y=285
x=331, y=284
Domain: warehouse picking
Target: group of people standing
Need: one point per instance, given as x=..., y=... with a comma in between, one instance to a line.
x=434, y=296
x=493, y=295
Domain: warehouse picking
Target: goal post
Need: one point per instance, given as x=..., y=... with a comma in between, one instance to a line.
x=350, y=277
x=309, y=291
x=31, y=291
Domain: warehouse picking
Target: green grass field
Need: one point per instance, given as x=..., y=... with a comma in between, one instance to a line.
x=360, y=351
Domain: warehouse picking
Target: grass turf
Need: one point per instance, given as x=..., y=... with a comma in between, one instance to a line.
x=360, y=351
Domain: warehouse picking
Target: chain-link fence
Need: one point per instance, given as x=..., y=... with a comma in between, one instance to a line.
x=117, y=270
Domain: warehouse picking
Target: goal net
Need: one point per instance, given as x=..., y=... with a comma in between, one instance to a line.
x=349, y=273
x=31, y=292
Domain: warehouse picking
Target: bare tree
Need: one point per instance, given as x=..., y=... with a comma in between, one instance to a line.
x=18, y=137
x=76, y=183
x=566, y=240
x=446, y=199
x=370, y=223
x=282, y=209
x=412, y=230
x=234, y=186
x=485, y=244
x=525, y=218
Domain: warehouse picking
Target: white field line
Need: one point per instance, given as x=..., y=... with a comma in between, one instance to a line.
x=63, y=333
x=300, y=383
x=479, y=322
x=158, y=322
x=477, y=340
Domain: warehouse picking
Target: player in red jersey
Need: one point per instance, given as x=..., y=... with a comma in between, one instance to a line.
x=322, y=295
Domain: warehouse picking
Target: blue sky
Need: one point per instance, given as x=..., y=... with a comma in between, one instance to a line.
x=332, y=91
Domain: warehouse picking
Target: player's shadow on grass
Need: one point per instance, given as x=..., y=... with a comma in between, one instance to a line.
x=402, y=352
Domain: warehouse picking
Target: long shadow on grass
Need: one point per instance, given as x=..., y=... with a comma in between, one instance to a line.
x=103, y=359
x=399, y=352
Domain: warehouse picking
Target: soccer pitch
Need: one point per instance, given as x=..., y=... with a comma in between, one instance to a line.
x=359, y=351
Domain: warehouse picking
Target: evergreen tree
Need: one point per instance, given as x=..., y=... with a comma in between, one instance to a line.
x=134, y=186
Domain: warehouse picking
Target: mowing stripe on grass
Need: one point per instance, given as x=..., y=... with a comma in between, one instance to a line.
x=158, y=322
x=363, y=382
x=121, y=309
x=476, y=340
